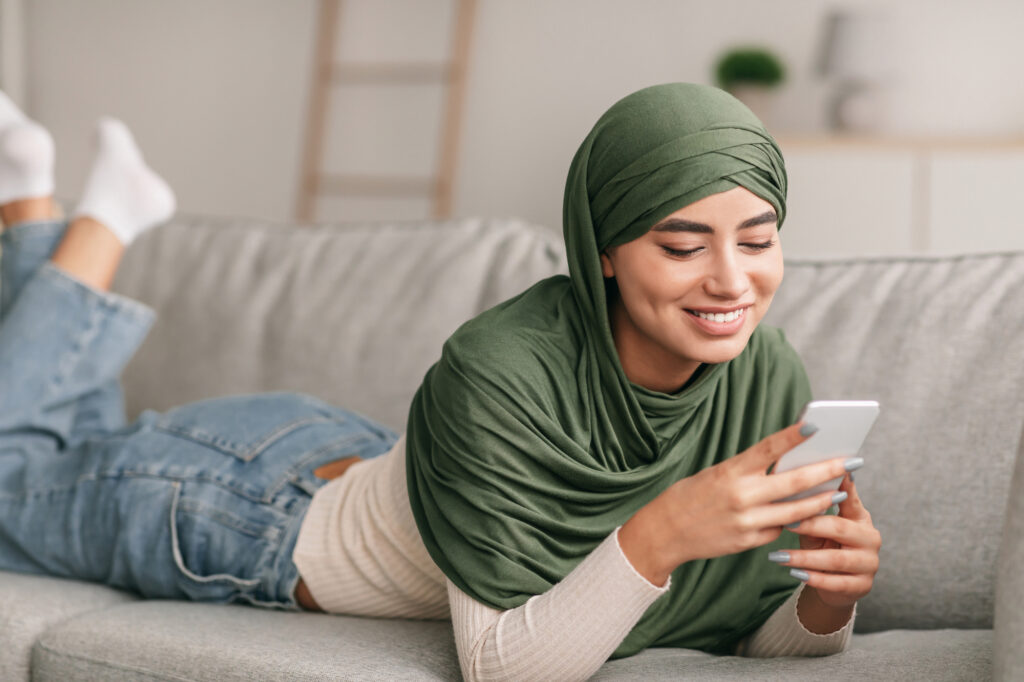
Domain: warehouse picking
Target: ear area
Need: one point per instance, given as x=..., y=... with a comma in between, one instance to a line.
x=606, y=265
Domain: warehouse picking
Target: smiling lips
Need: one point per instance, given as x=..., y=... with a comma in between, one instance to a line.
x=719, y=322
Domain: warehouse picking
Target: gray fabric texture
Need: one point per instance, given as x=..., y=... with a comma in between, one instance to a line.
x=931, y=655
x=29, y=605
x=178, y=641
x=938, y=342
x=1008, y=650
x=169, y=640
x=245, y=305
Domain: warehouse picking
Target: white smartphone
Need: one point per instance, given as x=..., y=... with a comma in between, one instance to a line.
x=842, y=427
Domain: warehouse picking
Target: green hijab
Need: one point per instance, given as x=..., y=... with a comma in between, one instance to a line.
x=527, y=445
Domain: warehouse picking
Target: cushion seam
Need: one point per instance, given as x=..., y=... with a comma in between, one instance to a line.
x=118, y=666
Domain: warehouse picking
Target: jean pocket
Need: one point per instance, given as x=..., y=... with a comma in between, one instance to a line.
x=241, y=425
x=218, y=543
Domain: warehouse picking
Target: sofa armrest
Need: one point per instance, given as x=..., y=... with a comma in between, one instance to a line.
x=1008, y=655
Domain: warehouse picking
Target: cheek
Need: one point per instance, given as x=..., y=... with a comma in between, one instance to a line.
x=653, y=280
x=768, y=276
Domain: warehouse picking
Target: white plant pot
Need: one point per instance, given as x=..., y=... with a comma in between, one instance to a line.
x=760, y=99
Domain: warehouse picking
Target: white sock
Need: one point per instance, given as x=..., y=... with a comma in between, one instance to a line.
x=26, y=155
x=122, y=192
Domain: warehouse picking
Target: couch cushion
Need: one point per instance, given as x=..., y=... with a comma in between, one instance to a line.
x=939, y=342
x=177, y=640
x=182, y=640
x=1009, y=619
x=895, y=655
x=352, y=313
x=31, y=604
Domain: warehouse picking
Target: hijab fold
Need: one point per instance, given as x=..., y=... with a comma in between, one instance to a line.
x=527, y=445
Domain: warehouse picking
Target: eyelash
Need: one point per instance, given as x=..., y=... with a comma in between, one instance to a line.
x=757, y=246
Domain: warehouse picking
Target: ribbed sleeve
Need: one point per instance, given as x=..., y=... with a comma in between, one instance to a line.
x=567, y=633
x=784, y=635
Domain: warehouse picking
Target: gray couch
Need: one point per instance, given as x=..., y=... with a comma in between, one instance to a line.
x=356, y=314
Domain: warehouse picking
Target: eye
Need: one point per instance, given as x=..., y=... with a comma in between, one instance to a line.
x=676, y=252
x=759, y=246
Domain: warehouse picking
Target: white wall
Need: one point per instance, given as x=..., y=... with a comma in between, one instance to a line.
x=216, y=90
x=543, y=73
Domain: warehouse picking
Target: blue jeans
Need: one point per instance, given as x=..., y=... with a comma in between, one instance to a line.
x=203, y=501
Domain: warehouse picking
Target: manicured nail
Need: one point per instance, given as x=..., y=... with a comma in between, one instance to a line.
x=853, y=463
x=780, y=557
x=851, y=477
x=807, y=429
x=839, y=497
x=797, y=573
x=793, y=525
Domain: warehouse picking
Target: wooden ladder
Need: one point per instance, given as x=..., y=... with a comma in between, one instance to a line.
x=330, y=73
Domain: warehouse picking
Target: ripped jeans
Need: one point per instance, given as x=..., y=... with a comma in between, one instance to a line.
x=203, y=501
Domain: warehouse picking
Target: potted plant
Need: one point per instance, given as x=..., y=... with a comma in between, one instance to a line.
x=751, y=74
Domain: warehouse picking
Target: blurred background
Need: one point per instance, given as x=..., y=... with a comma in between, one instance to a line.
x=902, y=123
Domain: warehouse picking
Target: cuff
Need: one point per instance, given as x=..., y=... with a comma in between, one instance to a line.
x=784, y=635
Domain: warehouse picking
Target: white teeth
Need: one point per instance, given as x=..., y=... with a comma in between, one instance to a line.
x=720, y=317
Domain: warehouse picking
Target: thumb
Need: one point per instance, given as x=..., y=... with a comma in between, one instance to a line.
x=851, y=507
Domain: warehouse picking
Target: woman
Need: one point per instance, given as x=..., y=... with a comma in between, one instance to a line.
x=568, y=489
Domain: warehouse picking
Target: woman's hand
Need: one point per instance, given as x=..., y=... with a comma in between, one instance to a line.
x=726, y=508
x=839, y=553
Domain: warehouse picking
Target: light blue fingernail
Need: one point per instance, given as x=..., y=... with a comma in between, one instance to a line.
x=839, y=497
x=780, y=557
x=853, y=463
x=797, y=573
x=807, y=429
x=793, y=525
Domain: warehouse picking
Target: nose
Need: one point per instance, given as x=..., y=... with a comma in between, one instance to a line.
x=726, y=279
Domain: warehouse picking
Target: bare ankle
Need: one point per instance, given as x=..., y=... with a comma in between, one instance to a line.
x=25, y=210
x=90, y=252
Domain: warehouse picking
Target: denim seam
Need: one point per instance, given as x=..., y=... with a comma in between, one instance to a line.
x=291, y=475
x=32, y=229
x=229, y=520
x=131, y=474
x=108, y=299
x=230, y=447
x=243, y=583
x=72, y=356
x=197, y=478
x=284, y=561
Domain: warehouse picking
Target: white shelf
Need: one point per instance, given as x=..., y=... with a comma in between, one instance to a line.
x=803, y=141
x=852, y=195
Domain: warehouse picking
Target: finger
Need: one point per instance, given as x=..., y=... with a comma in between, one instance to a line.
x=854, y=561
x=851, y=507
x=768, y=450
x=779, y=486
x=846, y=532
x=854, y=585
x=785, y=513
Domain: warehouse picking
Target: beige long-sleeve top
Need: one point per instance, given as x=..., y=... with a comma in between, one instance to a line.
x=360, y=553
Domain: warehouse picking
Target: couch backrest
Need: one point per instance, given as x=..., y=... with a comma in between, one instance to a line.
x=939, y=342
x=356, y=314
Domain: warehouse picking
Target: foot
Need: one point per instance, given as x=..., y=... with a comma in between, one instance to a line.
x=26, y=155
x=122, y=192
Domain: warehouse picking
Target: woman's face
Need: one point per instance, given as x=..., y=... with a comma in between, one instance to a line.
x=693, y=288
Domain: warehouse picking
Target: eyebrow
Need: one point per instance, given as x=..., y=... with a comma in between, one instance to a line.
x=682, y=225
